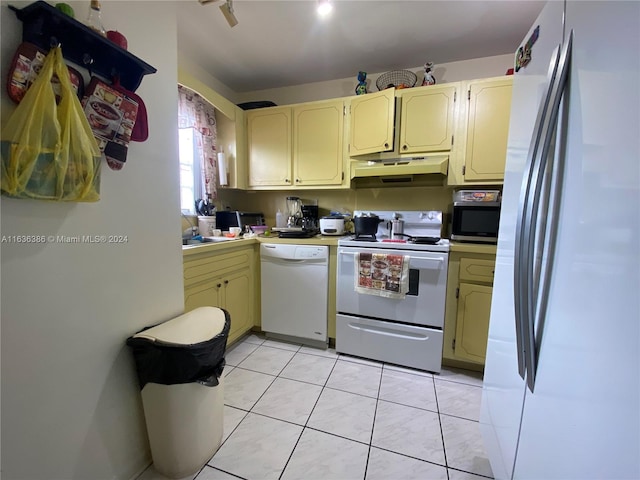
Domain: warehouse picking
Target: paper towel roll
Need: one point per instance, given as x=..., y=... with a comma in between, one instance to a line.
x=222, y=168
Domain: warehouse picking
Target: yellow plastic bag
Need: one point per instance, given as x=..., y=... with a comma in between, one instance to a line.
x=48, y=150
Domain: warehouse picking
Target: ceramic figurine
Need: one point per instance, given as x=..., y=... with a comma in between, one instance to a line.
x=429, y=79
x=361, y=88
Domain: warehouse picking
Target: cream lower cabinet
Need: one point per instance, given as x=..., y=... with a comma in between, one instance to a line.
x=298, y=146
x=225, y=280
x=469, y=290
x=483, y=130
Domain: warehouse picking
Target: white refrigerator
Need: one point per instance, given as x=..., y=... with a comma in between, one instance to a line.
x=561, y=393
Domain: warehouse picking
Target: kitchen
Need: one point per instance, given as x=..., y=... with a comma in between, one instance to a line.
x=54, y=343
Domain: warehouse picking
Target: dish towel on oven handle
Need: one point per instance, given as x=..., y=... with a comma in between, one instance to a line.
x=381, y=274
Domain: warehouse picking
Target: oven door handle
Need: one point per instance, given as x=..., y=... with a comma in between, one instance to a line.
x=416, y=263
x=388, y=332
x=438, y=260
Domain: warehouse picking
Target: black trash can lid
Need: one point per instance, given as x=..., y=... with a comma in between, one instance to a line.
x=196, y=326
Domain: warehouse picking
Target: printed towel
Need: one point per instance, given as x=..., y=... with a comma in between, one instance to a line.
x=382, y=274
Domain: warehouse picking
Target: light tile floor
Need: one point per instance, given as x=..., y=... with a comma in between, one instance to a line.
x=294, y=412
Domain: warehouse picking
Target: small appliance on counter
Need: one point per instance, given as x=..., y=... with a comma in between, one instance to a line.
x=234, y=218
x=366, y=225
x=476, y=216
x=332, y=225
x=302, y=220
x=294, y=211
x=309, y=216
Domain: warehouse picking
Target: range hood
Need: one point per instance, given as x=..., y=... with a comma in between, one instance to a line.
x=416, y=171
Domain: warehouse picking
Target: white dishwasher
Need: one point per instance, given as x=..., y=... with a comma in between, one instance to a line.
x=295, y=286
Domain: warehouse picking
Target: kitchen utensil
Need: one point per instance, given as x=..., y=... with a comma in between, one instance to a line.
x=200, y=206
x=259, y=229
x=206, y=225
x=366, y=224
x=397, y=227
x=332, y=225
x=294, y=211
x=420, y=240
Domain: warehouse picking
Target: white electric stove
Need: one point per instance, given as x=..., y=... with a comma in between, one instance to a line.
x=404, y=330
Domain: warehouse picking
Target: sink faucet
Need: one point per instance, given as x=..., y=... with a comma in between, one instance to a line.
x=194, y=229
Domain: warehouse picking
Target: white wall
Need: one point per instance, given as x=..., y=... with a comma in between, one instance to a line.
x=70, y=401
x=344, y=87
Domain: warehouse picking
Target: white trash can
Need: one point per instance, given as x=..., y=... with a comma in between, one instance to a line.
x=180, y=366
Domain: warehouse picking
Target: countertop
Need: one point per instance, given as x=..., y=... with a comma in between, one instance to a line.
x=461, y=247
x=230, y=244
x=465, y=247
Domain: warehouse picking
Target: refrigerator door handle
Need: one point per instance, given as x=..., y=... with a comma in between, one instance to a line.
x=520, y=274
x=534, y=291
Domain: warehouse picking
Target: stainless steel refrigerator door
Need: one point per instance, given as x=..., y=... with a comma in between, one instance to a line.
x=504, y=389
x=582, y=419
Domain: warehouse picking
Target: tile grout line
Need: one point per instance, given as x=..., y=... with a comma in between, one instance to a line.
x=373, y=424
x=444, y=446
x=219, y=470
x=304, y=427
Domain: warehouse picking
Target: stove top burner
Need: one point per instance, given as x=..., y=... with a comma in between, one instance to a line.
x=432, y=244
x=366, y=238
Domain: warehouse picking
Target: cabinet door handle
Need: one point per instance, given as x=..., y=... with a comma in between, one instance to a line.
x=287, y=180
x=297, y=180
x=404, y=147
x=386, y=145
x=219, y=285
x=226, y=282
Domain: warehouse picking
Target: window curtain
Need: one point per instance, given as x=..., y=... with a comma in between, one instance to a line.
x=197, y=113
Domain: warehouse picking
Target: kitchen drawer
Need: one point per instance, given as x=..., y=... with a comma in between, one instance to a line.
x=406, y=345
x=208, y=266
x=476, y=270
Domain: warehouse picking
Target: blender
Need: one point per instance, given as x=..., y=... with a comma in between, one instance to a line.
x=294, y=211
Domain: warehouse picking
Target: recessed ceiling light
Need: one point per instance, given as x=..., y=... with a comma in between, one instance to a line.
x=324, y=8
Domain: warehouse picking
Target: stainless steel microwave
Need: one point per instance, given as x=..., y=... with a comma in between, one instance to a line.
x=476, y=216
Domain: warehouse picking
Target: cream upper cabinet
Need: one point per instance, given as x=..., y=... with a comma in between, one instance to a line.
x=299, y=146
x=232, y=140
x=483, y=126
x=318, y=131
x=427, y=118
x=372, y=122
x=269, y=141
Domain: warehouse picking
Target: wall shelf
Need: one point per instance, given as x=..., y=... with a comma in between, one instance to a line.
x=44, y=26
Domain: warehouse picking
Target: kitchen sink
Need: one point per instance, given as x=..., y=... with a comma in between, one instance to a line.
x=206, y=240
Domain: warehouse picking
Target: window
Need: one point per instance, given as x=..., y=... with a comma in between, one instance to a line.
x=197, y=135
x=190, y=176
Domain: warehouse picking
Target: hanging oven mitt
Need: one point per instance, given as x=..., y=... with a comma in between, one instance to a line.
x=140, y=130
x=111, y=115
x=25, y=67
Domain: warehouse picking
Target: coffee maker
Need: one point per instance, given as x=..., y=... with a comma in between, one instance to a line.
x=310, y=218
